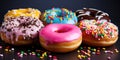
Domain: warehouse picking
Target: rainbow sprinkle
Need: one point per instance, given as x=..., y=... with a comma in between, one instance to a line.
x=83, y=52
x=88, y=52
x=98, y=29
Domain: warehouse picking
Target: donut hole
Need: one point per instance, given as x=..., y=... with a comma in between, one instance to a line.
x=63, y=30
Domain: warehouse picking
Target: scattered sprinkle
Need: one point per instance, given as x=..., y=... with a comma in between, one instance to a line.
x=55, y=58
x=6, y=50
x=116, y=50
x=104, y=48
x=79, y=56
x=84, y=52
x=1, y=55
x=109, y=58
x=12, y=49
x=0, y=47
x=50, y=56
x=89, y=58
x=93, y=53
x=13, y=59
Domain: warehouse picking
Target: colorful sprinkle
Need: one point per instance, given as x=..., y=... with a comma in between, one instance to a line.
x=79, y=56
x=0, y=47
x=12, y=49
x=104, y=48
x=50, y=56
x=99, y=29
x=41, y=57
x=116, y=50
x=89, y=58
x=59, y=15
x=1, y=55
x=55, y=58
x=6, y=50
x=78, y=51
x=89, y=48
x=83, y=53
x=94, y=50
x=98, y=52
x=83, y=56
x=93, y=53
x=89, y=51
x=109, y=58
x=108, y=51
x=13, y=59
x=81, y=48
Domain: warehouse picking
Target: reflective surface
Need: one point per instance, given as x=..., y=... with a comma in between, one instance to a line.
x=34, y=52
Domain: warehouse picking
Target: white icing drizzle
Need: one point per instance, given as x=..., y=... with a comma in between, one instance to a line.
x=87, y=13
x=22, y=26
x=92, y=14
x=81, y=15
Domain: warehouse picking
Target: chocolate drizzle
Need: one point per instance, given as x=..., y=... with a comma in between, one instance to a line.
x=24, y=31
x=27, y=27
x=32, y=30
x=9, y=30
x=14, y=36
x=90, y=14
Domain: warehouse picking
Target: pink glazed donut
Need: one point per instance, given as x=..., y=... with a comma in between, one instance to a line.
x=60, y=37
x=20, y=31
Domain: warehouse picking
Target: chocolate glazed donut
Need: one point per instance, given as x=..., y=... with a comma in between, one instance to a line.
x=90, y=14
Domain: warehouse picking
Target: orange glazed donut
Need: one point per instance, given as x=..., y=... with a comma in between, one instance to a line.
x=98, y=33
x=60, y=37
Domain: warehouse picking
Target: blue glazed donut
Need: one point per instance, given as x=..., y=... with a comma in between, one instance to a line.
x=59, y=15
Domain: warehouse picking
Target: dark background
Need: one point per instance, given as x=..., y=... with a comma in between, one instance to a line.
x=112, y=7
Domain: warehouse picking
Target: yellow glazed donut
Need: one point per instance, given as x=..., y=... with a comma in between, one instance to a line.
x=26, y=12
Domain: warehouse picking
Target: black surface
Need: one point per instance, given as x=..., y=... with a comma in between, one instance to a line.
x=109, y=6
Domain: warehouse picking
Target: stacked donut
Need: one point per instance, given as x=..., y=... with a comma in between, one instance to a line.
x=21, y=26
x=63, y=30
x=97, y=30
x=60, y=34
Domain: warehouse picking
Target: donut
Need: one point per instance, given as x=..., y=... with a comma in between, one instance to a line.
x=92, y=14
x=60, y=38
x=27, y=12
x=98, y=33
x=59, y=16
x=20, y=31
